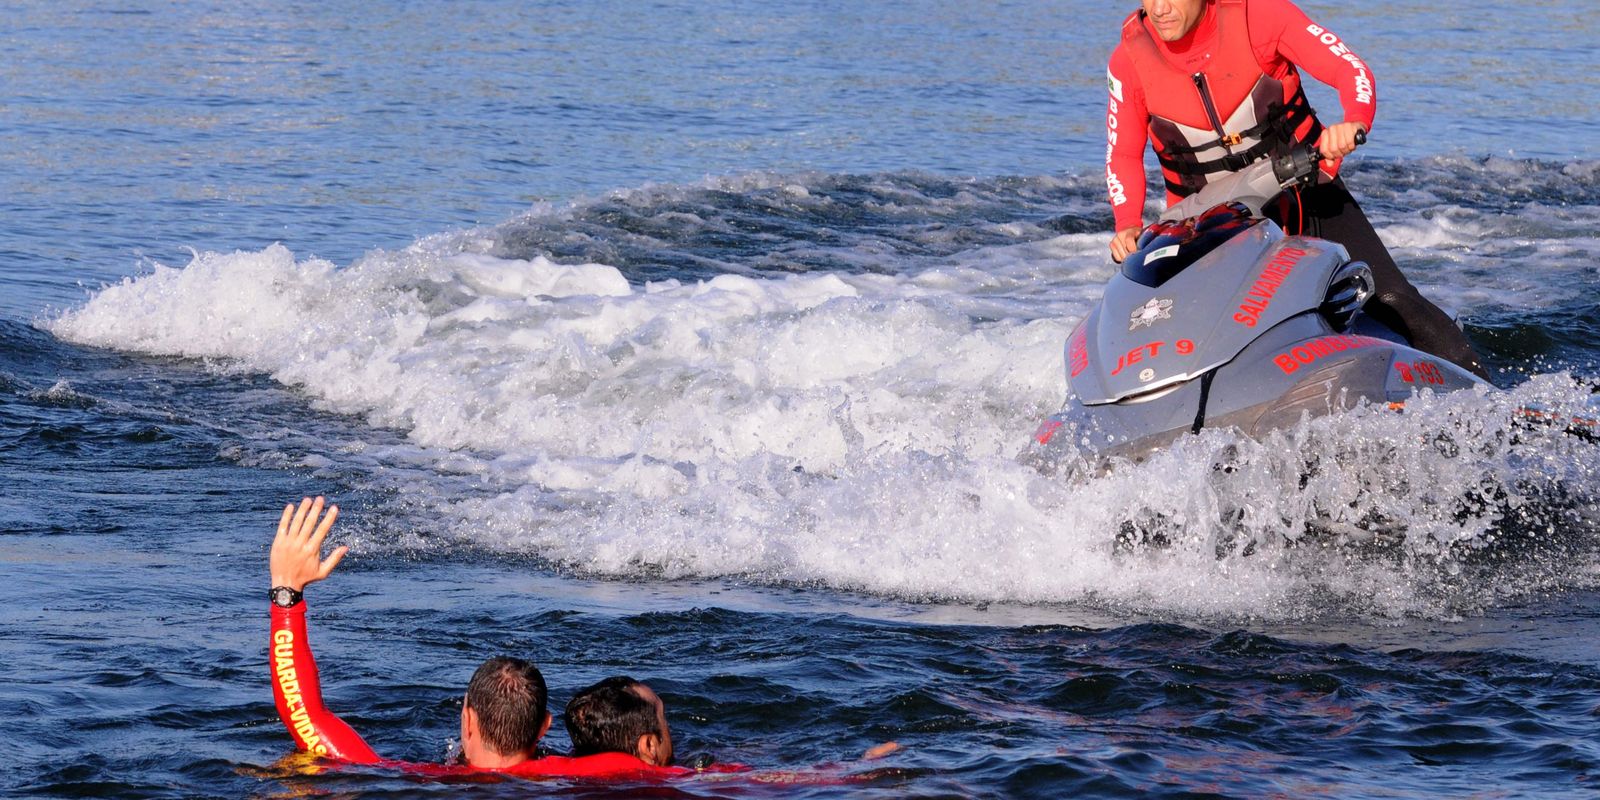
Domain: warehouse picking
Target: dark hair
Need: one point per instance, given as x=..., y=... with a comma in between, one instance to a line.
x=609, y=717
x=508, y=695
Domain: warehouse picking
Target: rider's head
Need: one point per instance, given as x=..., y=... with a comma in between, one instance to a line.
x=1173, y=19
x=504, y=715
x=620, y=715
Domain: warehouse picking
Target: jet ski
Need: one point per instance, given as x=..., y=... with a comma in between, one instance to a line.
x=1222, y=320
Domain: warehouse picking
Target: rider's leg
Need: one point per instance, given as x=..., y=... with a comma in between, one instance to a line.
x=1331, y=213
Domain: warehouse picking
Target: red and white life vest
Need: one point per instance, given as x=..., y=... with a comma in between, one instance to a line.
x=1224, y=117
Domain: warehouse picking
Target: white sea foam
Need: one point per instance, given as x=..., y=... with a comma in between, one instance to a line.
x=1471, y=261
x=856, y=430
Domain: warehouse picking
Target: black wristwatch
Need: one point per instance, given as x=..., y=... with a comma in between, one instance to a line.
x=284, y=597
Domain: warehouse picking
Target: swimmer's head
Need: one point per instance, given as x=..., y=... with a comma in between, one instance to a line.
x=620, y=715
x=505, y=713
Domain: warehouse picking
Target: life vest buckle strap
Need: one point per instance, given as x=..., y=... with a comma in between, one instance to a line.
x=1233, y=162
x=1232, y=139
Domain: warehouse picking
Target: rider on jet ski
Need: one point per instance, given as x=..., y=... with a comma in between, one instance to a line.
x=1213, y=85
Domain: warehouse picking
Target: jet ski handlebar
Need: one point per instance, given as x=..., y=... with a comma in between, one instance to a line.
x=1299, y=166
x=1256, y=184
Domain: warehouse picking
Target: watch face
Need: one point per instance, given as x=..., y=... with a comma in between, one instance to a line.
x=283, y=596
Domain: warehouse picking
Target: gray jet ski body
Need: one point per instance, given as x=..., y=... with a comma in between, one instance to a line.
x=1234, y=325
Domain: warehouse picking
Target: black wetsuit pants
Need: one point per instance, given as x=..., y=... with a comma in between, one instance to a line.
x=1329, y=212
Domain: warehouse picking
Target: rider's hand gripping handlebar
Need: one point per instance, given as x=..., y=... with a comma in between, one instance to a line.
x=1299, y=166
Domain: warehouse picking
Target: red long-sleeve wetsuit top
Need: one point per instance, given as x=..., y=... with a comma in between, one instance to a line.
x=298, y=694
x=1210, y=60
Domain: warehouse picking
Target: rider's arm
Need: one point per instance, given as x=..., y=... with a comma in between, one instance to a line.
x=297, y=561
x=1127, y=120
x=1278, y=27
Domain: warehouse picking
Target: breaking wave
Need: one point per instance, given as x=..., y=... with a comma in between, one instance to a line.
x=828, y=379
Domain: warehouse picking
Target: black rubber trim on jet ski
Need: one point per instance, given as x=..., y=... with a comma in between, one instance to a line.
x=1205, y=394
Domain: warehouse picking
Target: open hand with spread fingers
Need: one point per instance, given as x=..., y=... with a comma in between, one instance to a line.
x=297, y=550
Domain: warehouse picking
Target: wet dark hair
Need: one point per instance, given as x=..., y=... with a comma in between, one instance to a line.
x=508, y=695
x=609, y=717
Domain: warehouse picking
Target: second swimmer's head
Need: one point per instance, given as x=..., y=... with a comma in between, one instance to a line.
x=620, y=715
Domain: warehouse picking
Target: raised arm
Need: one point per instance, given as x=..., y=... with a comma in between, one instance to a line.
x=297, y=561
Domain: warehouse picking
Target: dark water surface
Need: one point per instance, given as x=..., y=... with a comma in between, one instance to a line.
x=697, y=341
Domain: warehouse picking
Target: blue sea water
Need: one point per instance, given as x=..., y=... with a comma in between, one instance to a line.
x=697, y=341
